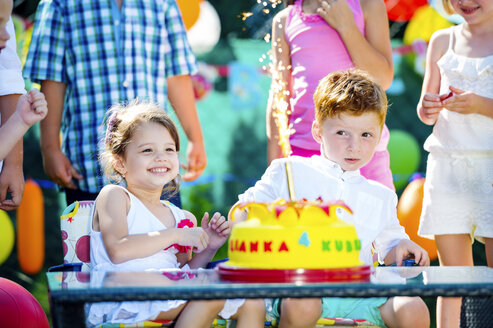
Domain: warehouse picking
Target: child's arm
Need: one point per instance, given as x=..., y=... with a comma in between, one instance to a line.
x=122, y=247
x=11, y=176
x=280, y=83
x=467, y=102
x=407, y=249
x=57, y=166
x=218, y=230
x=31, y=108
x=182, y=99
x=430, y=103
x=373, y=52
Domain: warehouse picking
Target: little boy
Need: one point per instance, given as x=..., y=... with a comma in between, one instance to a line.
x=350, y=110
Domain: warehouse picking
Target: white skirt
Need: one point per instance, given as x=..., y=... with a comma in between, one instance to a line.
x=458, y=195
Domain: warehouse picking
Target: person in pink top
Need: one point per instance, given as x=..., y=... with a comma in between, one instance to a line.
x=311, y=38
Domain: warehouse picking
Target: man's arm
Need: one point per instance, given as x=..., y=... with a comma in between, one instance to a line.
x=56, y=164
x=181, y=98
x=12, y=176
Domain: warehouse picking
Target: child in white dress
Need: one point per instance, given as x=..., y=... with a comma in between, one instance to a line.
x=457, y=98
x=134, y=230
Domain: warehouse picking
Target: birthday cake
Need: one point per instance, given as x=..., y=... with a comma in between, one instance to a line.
x=294, y=235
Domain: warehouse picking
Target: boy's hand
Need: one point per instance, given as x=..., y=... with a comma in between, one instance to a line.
x=407, y=249
x=218, y=229
x=32, y=107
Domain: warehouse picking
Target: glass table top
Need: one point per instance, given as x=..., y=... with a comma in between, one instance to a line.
x=207, y=284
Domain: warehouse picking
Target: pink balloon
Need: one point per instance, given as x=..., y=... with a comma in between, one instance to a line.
x=19, y=308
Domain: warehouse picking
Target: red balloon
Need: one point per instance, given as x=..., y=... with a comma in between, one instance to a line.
x=402, y=10
x=18, y=308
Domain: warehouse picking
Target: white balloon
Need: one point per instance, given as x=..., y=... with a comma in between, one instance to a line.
x=204, y=34
x=438, y=6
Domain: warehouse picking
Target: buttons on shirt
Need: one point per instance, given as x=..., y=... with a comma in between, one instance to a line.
x=125, y=84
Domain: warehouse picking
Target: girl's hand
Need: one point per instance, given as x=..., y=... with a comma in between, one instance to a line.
x=196, y=237
x=464, y=102
x=431, y=105
x=406, y=249
x=32, y=107
x=336, y=13
x=218, y=229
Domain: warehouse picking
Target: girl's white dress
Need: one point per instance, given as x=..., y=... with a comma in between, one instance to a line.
x=140, y=220
x=458, y=192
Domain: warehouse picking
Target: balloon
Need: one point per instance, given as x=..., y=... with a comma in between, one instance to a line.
x=190, y=11
x=18, y=308
x=204, y=35
x=201, y=86
x=30, y=229
x=409, y=212
x=423, y=24
x=438, y=6
x=402, y=10
x=404, y=156
x=6, y=236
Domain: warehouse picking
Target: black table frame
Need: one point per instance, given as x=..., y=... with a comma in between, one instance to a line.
x=67, y=304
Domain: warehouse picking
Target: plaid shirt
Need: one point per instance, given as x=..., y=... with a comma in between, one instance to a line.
x=105, y=55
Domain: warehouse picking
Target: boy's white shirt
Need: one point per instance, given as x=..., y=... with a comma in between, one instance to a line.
x=373, y=205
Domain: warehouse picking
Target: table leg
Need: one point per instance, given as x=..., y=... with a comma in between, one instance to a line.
x=68, y=315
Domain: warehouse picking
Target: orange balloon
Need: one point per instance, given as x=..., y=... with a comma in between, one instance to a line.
x=30, y=229
x=409, y=211
x=190, y=10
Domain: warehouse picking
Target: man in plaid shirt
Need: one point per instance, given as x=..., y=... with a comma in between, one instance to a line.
x=88, y=55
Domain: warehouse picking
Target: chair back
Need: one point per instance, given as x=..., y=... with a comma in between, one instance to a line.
x=75, y=225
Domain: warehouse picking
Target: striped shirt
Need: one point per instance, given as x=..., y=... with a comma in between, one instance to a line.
x=105, y=55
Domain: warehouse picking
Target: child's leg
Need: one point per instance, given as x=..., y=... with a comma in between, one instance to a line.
x=488, y=245
x=405, y=312
x=452, y=250
x=199, y=314
x=171, y=314
x=300, y=312
x=250, y=314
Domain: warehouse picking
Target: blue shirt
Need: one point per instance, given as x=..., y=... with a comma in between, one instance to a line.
x=105, y=55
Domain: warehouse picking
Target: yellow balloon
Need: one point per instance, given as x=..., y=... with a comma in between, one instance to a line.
x=190, y=10
x=6, y=236
x=424, y=23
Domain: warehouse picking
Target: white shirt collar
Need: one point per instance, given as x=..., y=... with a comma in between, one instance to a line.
x=326, y=164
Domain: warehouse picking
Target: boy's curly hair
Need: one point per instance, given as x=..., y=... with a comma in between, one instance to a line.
x=122, y=121
x=350, y=91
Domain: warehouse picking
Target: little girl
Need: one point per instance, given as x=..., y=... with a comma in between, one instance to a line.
x=457, y=97
x=311, y=38
x=133, y=230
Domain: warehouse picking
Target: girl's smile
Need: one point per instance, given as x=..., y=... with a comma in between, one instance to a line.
x=150, y=159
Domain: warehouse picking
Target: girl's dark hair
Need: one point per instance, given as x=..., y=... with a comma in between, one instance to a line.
x=288, y=2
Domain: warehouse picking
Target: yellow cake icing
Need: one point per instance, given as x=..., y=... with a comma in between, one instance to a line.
x=292, y=235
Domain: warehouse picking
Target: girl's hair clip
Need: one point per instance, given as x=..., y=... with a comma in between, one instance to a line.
x=110, y=126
